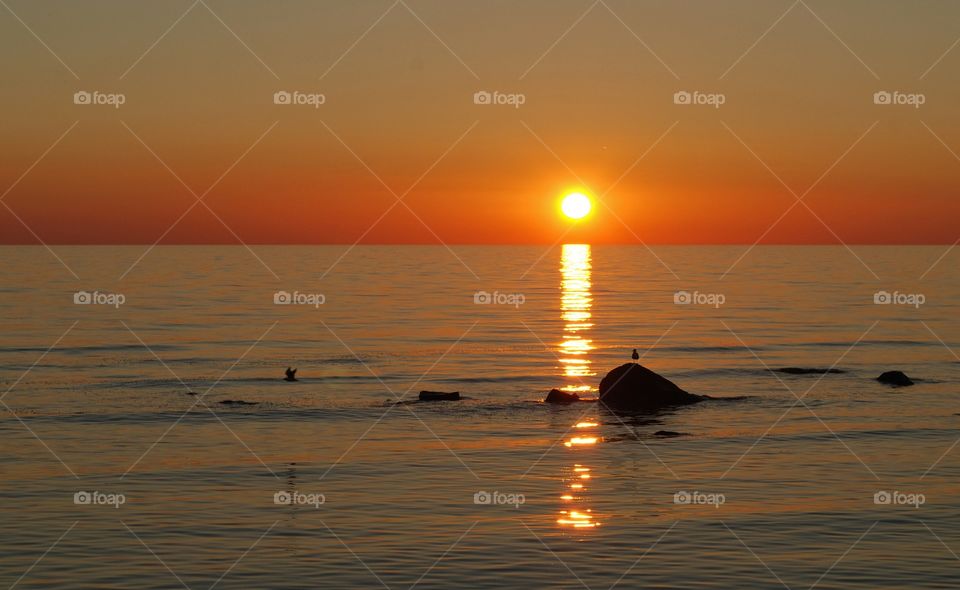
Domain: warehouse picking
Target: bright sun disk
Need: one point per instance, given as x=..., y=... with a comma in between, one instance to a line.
x=576, y=205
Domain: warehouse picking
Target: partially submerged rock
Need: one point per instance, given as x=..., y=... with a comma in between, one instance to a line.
x=557, y=396
x=238, y=402
x=896, y=378
x=635, y=387
x=436, y=396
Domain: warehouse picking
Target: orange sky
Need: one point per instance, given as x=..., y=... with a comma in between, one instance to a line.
x=399, y=111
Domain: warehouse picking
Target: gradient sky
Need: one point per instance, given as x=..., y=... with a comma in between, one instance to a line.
x=797, y=99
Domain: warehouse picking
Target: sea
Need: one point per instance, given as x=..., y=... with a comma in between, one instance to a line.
x=148, y=438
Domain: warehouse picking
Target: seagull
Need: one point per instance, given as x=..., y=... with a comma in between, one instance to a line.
x=291, y=374
x=635, y=356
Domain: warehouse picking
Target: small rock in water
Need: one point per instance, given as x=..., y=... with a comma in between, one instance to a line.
x=668, y=433
x=561, y=397
x=436, y=396
x=897, y=378
x=237, y=402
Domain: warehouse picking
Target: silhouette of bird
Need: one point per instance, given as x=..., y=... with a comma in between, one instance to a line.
x=635, y=356
x=291, y=374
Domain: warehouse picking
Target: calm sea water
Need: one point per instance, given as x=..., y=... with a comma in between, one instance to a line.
x=781, y=481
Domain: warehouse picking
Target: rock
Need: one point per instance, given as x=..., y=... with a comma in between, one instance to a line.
x=435, y=396
x=635, y=387
x=807, y=371
x=238, y=402
x=668, y=433
x=896, y=378
x=561, y=397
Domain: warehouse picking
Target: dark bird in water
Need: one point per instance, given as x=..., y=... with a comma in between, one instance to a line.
x=635, y=356
x=291, y=375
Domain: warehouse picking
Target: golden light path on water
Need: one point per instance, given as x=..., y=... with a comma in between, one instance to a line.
x=576, y=301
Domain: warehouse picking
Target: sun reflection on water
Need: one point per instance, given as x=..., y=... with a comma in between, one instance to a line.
x=576, y=302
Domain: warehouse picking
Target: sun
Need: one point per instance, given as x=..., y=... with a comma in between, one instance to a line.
x=576, y=205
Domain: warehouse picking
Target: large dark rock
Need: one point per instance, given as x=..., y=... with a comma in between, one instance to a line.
x=438, y=396
x=897, y=378
x=635, y=387
x=561, y=397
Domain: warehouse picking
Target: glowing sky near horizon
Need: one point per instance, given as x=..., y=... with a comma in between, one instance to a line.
x=401, y=112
